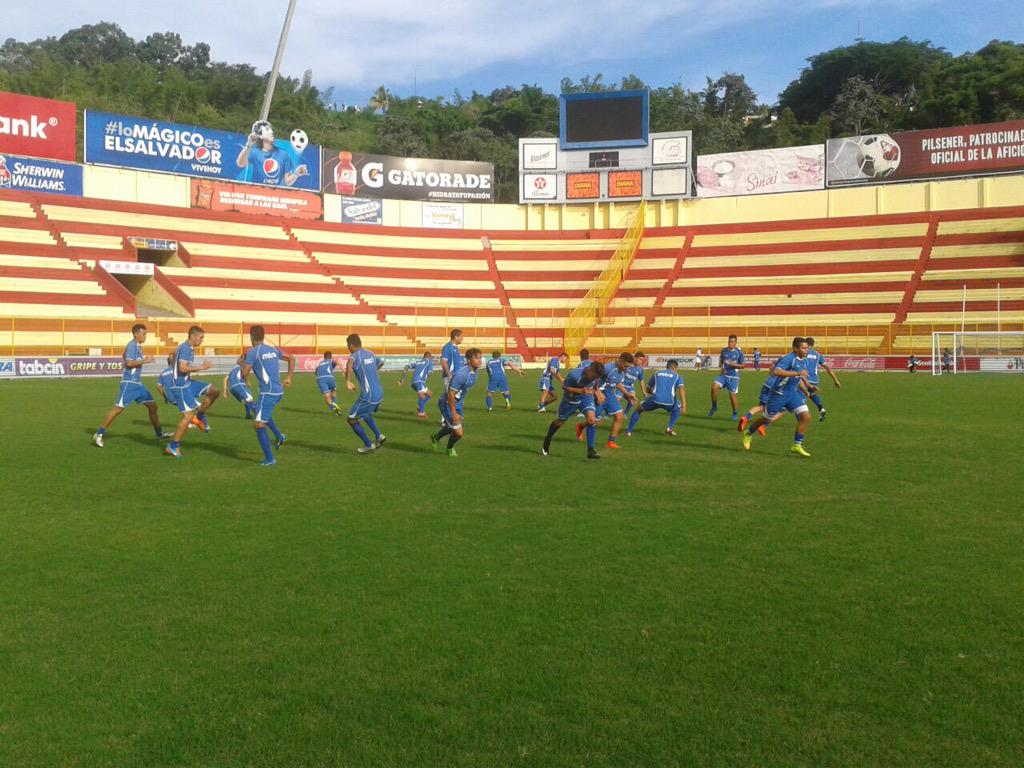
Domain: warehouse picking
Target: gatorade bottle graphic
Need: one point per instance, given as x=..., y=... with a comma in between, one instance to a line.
x=345, y=174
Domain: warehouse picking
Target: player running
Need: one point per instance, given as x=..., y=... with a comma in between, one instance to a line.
x=497, y=381
x=238, y=387
x=730, y=360
x=264, y=360
x=815, y=360
x=579, y=395
x=365, y=365
x=611, y=387
x=421, y=371
x=131, y=389
x=667, y=393
x=327, y=383
x=451, y=358
x=165, y=381
x=450, y=404
x=786, y=395
x=547, y=383
x=633, y=378
x=187, y=392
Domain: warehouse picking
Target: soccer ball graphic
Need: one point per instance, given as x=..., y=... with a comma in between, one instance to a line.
x=299, y=140
x=878, y=156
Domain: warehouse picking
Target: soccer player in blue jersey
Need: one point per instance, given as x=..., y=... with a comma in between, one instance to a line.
x=451, y=402
x=238, y=387
x=421, y=371
x=757, y=359
x=584, y=359
x=547, y=380
x=327, y=384
x=817, y=360
x=165, y=381
x=187, y=393
x=451, y=358
x=730, y=360
x=497, y=381
x=786, y=396
x=579, y=395
x=634, y=378
x=264, y=360
x=667, y=393
x=131, y=389
x=612, y=386
x=365, y=366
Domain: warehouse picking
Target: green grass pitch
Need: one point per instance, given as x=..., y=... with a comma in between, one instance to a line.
x=680, y=602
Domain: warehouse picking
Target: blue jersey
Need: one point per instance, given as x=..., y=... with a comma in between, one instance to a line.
x=553, y=367
x=787, y=385
x=575, y=379
x=496, y=368
x=422, y=369
x=133, y=352
x=325, y=368
x=814, y=359
x=235, y=377
x=729, y=359
x=269, y=167
x=631, y=376
x=757, y=357
x=365, y=365
x=266, y=364
x=166, y=379
x=462, y=381
x=612, y=378
x=663, y=384
x=183, y=354
x=583, y=364
x=450, y=352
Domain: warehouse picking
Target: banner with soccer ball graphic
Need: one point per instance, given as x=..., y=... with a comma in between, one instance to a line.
x=969, y=150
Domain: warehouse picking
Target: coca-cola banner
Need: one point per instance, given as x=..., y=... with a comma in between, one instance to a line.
x=253, y=198
x=967, y=150
x=406, y=178
x=37, y=127
x=761, y=172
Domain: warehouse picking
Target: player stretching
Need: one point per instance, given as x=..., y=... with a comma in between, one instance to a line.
x=131, y=390
x=421, y=371
x=365, y=365
x=497, y=381
x=668, y=393
x=547, y=384
x=265, y=361
x=187, y=392
x=451, y=358
x=814, y=360
x=786, y=395
x=633, y=378
x=730, y=360
x=327, y=384
x=611, y=388
x=579, y=395
x=451, y=402
x=237, y=386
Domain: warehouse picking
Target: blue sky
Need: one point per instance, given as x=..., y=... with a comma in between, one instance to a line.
x=484, y=44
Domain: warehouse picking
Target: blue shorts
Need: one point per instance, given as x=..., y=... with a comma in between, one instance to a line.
x=650, y=405
x=792, y=402
x=132, y=392
x=265, y=405
x=327, y=384
x=446, y=413
x=611, y=405
x=419, y=386
x=498, y=385
x=546, y=385
x=241, y=393
x=764, y=396
x=567, y=409
x=187, y=398
x=362, y=408
x=732, y=383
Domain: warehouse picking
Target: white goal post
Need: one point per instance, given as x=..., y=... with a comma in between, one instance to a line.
x=973, y=351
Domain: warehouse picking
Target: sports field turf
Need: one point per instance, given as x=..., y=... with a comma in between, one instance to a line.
x=681, y=602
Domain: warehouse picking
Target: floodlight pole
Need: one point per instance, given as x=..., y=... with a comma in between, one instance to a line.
x=277, y=60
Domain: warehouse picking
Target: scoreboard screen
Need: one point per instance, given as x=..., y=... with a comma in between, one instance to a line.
x=604, y=119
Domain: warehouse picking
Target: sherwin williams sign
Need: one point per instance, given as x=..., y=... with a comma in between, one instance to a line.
x=188, y=150
x=28, y=174
x=37, y=127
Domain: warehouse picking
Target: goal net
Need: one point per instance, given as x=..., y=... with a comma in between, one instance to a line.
x=973, y=351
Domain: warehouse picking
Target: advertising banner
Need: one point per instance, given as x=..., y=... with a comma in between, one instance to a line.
x=30, y=175
x=155, y=145
x=142, y=268
x=968, y=150
x=361, y=210
x=254, y=199
x=761, y=172
x=625, y=184
x=538, y=155
x=442, y=215
x=539, y=186
x=37, y=127
x=583, y=186
x=406, y=178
